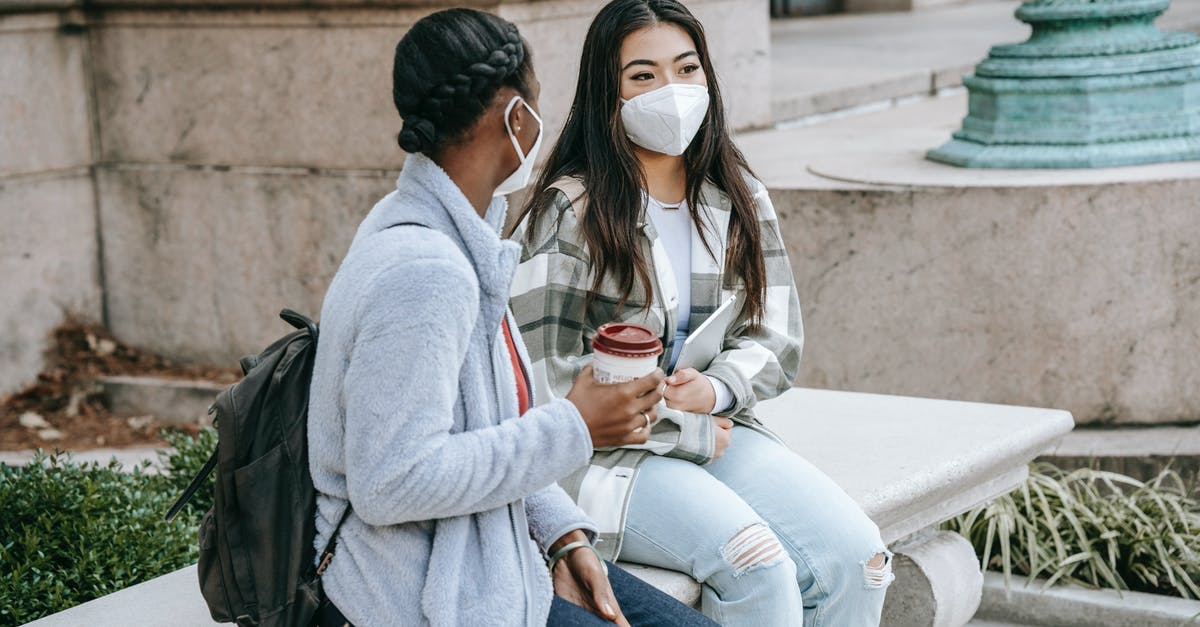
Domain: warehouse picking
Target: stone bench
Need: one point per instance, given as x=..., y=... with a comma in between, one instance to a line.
x=911, y=463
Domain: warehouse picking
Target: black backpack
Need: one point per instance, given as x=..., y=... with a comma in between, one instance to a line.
x=256, y=543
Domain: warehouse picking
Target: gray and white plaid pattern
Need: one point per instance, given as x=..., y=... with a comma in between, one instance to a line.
x=548, y=298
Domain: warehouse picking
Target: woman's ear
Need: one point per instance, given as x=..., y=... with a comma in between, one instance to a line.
x=517, y=118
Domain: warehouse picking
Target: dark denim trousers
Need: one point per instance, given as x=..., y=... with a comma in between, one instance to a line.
x=643, y=606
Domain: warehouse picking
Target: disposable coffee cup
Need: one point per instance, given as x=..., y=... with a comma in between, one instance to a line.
x=623, y=352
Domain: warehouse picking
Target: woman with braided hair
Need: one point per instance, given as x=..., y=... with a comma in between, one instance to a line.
x=435, y=474
x=647, y=212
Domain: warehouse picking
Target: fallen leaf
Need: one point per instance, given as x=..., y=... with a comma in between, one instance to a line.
x=77, y=397
x=50, y=434
x=33, y=420
x=140, y=423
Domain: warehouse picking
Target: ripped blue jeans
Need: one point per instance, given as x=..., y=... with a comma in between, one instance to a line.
x=771, y=538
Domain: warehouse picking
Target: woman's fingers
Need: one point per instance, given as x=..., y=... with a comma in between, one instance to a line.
x=645, y=386
x=723, y=422
x=590, y=573
x=680, y=377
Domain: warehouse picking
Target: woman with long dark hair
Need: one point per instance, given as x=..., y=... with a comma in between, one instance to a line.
x=646, y=212
x=433, y=472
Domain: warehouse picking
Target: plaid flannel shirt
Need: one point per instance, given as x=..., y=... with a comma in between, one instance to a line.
x=548, y=298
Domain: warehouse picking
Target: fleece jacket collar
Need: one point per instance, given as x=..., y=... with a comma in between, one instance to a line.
x=444, y=206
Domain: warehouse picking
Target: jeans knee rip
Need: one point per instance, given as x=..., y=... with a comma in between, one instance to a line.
x=753, y=547
x=876, y=577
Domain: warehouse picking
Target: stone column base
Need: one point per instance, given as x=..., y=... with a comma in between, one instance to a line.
x=938, y=582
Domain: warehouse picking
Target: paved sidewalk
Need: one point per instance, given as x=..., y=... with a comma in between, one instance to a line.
x=822, y=64
x=129, y=457
x=887, y=148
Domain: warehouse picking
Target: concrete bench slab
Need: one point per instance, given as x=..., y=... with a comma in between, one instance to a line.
x=910, y=462
x=172, y=599
x=914, y=462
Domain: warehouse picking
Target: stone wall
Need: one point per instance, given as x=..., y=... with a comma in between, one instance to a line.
x=48, y=246
x=241, y=149
x=1084, y=297
x=239, y=144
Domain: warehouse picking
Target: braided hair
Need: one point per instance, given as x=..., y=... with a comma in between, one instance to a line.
x=447, y=71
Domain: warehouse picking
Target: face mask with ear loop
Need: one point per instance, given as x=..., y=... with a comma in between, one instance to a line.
x=520, y=178
x=665, y=120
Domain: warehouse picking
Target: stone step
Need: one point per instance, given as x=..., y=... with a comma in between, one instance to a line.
x=174, y=401
x=1141, y=453
x=836, y=62
x=1027, y=603
x=1164, y=441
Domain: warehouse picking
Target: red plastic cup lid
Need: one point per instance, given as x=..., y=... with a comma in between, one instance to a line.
x=626, y=340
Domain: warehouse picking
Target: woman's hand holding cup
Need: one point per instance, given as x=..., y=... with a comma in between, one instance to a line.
x=617, y=414
x=617, y=392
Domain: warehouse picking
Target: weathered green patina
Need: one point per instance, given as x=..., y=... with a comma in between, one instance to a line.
x=1096, y=85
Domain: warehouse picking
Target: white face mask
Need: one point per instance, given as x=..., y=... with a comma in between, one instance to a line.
x=665, y=120
x=520, y=178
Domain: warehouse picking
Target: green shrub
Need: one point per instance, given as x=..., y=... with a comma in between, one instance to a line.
x=73, y=532
x=1092, y=528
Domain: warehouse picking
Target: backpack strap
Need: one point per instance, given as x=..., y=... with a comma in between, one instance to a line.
x=192, y=487
x=331, y=545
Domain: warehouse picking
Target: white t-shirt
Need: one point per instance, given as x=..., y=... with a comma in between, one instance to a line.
x=674, y=226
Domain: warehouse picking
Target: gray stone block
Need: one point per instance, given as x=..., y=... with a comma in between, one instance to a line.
x=305, y=89
x=1073, y=289
x=43, y=97
x=312, y=88
x=169, y=400
x=49, y=262
x=1071, y=297
x=739, y=32
x=199, y=262
x=24, y=6
x=48, y=250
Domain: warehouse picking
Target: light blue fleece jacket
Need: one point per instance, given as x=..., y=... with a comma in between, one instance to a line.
x=413, y=418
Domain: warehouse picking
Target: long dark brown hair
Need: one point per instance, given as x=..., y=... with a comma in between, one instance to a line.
x=593, y=146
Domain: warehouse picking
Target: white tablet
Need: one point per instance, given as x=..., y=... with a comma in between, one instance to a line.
x=706, y=342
